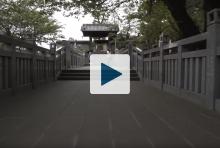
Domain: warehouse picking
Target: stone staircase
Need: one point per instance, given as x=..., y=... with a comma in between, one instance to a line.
x=85, y=75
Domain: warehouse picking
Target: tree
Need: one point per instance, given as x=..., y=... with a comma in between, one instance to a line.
x=176, y=7
x=28, y=20
x=154, y=20
x=182, y=18
x=129, y=24
x=188, y=24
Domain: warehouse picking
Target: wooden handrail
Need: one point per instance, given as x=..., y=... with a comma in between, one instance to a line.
x=22, y=43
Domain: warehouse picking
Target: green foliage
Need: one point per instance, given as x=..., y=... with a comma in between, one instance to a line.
x=28, y=19
x=154, y=19
x=147, y=19
x=151, y=18
x=195, y=9
x=101, y=10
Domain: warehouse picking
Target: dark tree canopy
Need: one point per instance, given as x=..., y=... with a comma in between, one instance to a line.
x=178, y=18
x=182, y=18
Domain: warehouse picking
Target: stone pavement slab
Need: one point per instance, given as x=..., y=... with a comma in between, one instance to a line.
x=65, y=114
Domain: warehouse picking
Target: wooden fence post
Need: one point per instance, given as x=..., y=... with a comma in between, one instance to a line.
x=45, y=67
x=54, y=66
x=213, y=44
x=61, y=60
x=33, y=67
x=161, y=63
x=68, y=56
x=13, y=69
x=53, y=53
x=180, y=68
x=130, y=52
x=143, y=65
x=150, y=66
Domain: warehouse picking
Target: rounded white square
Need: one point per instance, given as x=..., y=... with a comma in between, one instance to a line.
x=114, y=84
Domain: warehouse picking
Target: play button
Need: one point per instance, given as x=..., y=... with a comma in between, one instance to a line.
x=108, y=74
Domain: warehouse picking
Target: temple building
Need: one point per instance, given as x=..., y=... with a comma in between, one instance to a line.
x=100, y=37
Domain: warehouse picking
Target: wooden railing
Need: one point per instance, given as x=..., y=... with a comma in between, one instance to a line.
x=23, y=64
x=188, y=68
x=179, y=68
x=179, y=65
x=67, y=58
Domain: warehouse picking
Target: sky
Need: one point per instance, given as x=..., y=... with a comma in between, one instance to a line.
x=72, y=25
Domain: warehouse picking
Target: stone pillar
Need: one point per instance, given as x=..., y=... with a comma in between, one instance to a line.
x=143, y=65
x=13, y=69
x=53, y=53
x=213, y=44
x=130, y=52
x=46, y=62
x=68, y=53
x=33, y=67
x=115, y=45
x=180, y=68
x=161, y=65
x=61, y=60
x=90, y=43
